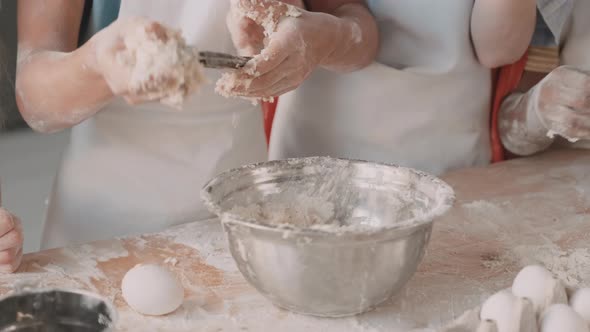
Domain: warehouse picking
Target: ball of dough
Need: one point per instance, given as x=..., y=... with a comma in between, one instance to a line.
x=580, y=302
x=152, y=290
x=537, y=284
x=561, y=318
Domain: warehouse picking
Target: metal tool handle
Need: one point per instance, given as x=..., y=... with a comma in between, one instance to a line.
x=222, y=60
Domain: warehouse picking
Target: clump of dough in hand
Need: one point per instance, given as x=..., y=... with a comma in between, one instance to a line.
x=162, y=66
x=152, y=290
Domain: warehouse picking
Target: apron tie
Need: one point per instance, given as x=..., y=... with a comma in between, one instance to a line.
x=506, y=80
x=268, y=113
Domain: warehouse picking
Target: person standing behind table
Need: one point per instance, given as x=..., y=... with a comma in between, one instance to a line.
x=553, y=96
x=424, y=102
x=128, y=168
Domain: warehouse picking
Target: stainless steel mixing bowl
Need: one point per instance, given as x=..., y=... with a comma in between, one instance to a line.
x=53, y=310
x=380, y=225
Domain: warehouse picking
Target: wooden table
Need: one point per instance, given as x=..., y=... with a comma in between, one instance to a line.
x=507, y=215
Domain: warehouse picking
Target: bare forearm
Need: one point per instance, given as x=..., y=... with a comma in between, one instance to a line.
x=55, y=86
x=56, y=90
x=357, y=40
x=502, y=30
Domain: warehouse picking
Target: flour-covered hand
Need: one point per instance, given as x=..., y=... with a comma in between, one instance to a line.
x=562, y=102
x=295, y=43
x=248, y=35
x=558, y=105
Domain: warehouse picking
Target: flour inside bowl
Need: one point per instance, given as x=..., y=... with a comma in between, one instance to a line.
x=328, y=195
x=301, y=212
x=339, y=210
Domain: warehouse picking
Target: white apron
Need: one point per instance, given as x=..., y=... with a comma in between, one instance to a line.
x=424, y=103
x=576, y=47
x=139, y=169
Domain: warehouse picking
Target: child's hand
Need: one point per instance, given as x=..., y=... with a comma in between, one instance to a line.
x=11, y=242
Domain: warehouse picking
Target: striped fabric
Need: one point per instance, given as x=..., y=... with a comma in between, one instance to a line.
x=543, y=54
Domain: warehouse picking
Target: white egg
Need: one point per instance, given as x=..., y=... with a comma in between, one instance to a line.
x=152, y=290
x=580, y=302
x=509, y=312
x=537, y=284
x=562, y=318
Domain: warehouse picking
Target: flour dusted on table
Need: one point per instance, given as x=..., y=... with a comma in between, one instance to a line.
x=570, y=266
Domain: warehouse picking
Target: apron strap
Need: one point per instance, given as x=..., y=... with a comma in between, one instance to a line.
x=506, y=80
x=268, y=113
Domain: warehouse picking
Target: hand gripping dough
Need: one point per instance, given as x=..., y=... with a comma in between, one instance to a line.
x=536, y=283
x=580, y=302
x=152, y=290
x=510, y=313
x=562, y=318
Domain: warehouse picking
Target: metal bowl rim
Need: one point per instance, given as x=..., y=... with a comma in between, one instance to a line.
x=111, y=306
x=229, y=218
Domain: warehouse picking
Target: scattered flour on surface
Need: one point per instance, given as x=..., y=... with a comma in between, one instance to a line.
x=570, y=266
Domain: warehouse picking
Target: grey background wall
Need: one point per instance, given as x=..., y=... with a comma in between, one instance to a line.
x=8, y=112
